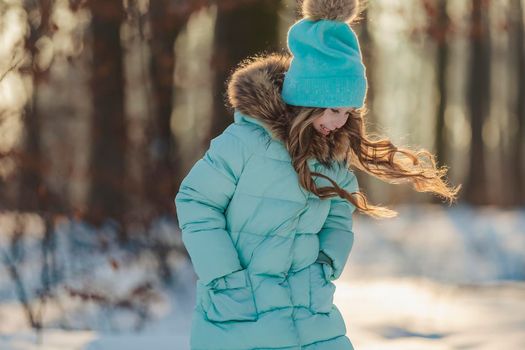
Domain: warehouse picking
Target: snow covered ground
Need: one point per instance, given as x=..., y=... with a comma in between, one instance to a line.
x=431, y=279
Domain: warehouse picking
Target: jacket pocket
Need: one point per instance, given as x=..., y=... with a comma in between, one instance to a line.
x=321, y=288
x=231, y=298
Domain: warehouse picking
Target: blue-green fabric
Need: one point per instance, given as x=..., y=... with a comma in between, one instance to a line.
x=254, y=236
x=327, y=68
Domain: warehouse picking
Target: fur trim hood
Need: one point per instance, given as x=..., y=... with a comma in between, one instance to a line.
x=254, y=89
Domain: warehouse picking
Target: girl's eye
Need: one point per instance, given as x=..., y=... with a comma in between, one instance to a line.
x=334, y=110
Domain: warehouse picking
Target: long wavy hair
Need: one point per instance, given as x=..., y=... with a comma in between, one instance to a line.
x=377, y=156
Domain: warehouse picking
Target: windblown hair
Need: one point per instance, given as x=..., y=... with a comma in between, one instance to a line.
x=377, y=157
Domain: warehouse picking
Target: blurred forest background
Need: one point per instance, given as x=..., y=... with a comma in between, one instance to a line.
x=105, y=106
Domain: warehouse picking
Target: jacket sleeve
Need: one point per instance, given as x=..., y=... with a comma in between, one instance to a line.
x=336, y=237
x=200, y=203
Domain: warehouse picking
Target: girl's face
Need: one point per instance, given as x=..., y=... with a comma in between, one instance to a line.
x=331, y=119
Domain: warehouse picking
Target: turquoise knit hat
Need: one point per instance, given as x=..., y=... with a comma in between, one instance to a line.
x=326, y=69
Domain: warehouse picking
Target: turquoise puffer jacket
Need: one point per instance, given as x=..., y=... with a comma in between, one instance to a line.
x=266, y=251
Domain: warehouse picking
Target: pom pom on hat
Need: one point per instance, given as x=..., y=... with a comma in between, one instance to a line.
x=327, y=68
x=335, y=10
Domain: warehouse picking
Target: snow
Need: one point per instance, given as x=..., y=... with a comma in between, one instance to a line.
x=434, y=278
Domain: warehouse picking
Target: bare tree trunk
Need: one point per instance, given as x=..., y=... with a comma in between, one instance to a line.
x=367, y=49
x=241, y=30
x=478, y=101
x=517, y=159
x=366, y=44
x=441, y=30
x=107, y=193
x=167, y=20
x=31, y=164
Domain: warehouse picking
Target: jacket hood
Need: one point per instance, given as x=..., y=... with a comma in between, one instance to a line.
x=254, y=92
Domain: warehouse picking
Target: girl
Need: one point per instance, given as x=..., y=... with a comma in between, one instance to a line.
x=266, y=214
